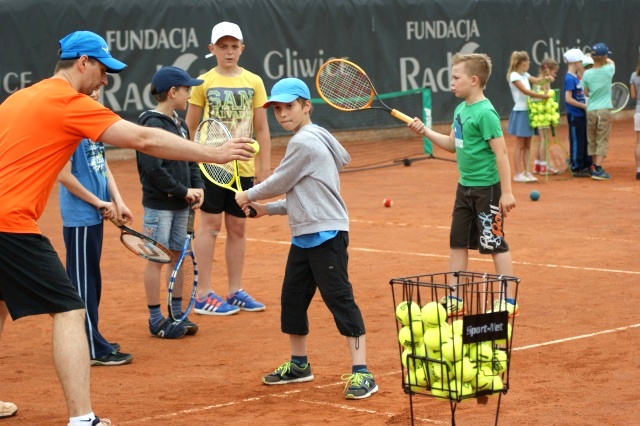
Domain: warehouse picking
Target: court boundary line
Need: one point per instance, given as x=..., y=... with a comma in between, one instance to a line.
x=293, y=392
x=476, y=259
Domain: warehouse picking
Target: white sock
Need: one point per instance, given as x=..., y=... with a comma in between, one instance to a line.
x=638, y=169
x=84, y=420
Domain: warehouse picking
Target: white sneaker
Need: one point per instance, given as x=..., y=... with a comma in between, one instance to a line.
x=520, y=177
x=528, y=177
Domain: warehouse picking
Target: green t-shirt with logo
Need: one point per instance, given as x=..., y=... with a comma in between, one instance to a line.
x=474, y=126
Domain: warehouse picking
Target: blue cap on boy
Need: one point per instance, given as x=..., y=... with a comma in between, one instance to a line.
x=600, y=49
x=288, y=90
x=167, y=77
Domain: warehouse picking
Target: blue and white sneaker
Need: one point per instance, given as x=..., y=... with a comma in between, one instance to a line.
x=245, y=302
x=214, y=305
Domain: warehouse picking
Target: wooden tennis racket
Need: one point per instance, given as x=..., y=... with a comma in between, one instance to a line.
x=213, y=132
x=346, y=87
x=619, y=97
x=184, y=277
x=142, y=245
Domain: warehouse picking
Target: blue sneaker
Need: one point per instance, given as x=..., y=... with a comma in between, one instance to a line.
x=166, y=329
x=245, y=302
x=359, y=385
x=600, y=175
x=214, y=305
x=192, y=328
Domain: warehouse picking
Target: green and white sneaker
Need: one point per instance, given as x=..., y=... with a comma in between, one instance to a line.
x=359, y=385
x=289, y=372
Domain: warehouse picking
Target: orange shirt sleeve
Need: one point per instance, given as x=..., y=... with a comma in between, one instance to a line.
x=42, y=126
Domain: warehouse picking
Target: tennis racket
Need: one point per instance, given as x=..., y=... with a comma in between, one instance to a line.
x=184, y=277
x=346, y=87
x=213, y=132
x=142, y=245
x=619, y=97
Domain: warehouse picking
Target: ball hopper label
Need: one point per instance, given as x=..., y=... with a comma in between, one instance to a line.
x=485, y=327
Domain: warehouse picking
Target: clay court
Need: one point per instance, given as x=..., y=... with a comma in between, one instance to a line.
x=575, y=342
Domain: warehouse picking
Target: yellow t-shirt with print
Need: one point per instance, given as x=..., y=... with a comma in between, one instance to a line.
x=232, y=101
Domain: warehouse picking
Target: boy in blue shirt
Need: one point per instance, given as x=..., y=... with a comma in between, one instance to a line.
x=576, y=114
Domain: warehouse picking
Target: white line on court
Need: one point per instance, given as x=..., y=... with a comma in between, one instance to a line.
x=298, y=392
x=476, y=259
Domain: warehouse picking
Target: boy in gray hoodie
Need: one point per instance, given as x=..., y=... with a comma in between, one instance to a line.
x=308, y=175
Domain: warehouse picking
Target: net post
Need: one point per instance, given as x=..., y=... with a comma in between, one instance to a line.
x=426, y=118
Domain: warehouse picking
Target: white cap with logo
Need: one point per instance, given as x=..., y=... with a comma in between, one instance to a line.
x=224, y=29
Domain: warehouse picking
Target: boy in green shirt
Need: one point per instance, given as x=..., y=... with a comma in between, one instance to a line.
x=484, y=196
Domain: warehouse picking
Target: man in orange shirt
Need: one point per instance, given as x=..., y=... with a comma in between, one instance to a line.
x=41, y=127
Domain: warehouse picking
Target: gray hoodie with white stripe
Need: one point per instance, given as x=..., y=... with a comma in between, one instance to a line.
x=308, y=175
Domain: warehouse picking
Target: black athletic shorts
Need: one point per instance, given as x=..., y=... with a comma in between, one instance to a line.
x=476, y=222
x=34, y=280
x=325, y=268
x=218, y=199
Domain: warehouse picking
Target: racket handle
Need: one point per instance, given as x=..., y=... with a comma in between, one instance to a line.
x=400, y=116
x=252, y=212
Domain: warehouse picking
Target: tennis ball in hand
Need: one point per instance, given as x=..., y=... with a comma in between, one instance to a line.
x=534, y=195
x=387, y=202
x=255, y=145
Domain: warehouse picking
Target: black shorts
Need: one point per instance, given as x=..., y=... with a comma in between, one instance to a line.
x=218, y=199
x=34, y=280
x=325, y=268
x=476, y=222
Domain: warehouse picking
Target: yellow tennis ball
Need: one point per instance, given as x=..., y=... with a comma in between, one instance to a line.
x=440, y=389
x=484, y=380
x=433, y=314
x=407, y=312
x=407, y=339
x=453, y=349
x=456, y=327
x=465, y=369
x=435, y=336
x=499, y=361
x=255, y=145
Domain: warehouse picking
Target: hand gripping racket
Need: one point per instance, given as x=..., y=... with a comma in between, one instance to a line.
x=346, y=87
x=619, y=97
x=142, y=245
x=213, y=132
x=184, y=278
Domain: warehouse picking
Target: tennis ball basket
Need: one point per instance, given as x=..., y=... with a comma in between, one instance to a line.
x=454, y=335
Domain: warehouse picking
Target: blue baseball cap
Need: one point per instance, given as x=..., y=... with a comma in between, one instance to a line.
x=600, y=49
x=288, y=90
x=87, y=43
x=167, y=77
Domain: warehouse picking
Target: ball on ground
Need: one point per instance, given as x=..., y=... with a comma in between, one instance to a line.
x=534, y=195
x=387, y=202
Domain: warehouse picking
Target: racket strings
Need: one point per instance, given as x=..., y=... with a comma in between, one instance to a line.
x=345, y=86
x=618, y=96
x=145, y=248
x=185, y=282
x=214, y=133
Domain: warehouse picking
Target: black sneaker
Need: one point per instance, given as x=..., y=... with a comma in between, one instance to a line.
x=192, y=328
x=638, y=176
x=581, y=173
x=114, y=358
x=359, y=385
x=289, y=372
x=166, y=329
x=115, y=346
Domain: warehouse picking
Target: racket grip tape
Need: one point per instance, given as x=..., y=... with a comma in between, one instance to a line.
x=400, y=116
x=252, y=212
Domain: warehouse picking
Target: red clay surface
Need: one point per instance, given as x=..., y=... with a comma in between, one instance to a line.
x=575, y=342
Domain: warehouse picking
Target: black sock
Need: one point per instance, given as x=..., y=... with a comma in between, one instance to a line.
x=359, y=369
x=300, y=361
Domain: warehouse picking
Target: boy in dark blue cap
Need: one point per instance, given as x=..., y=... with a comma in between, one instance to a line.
x=596, y=82
x=309, y=176
x=169, y=190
